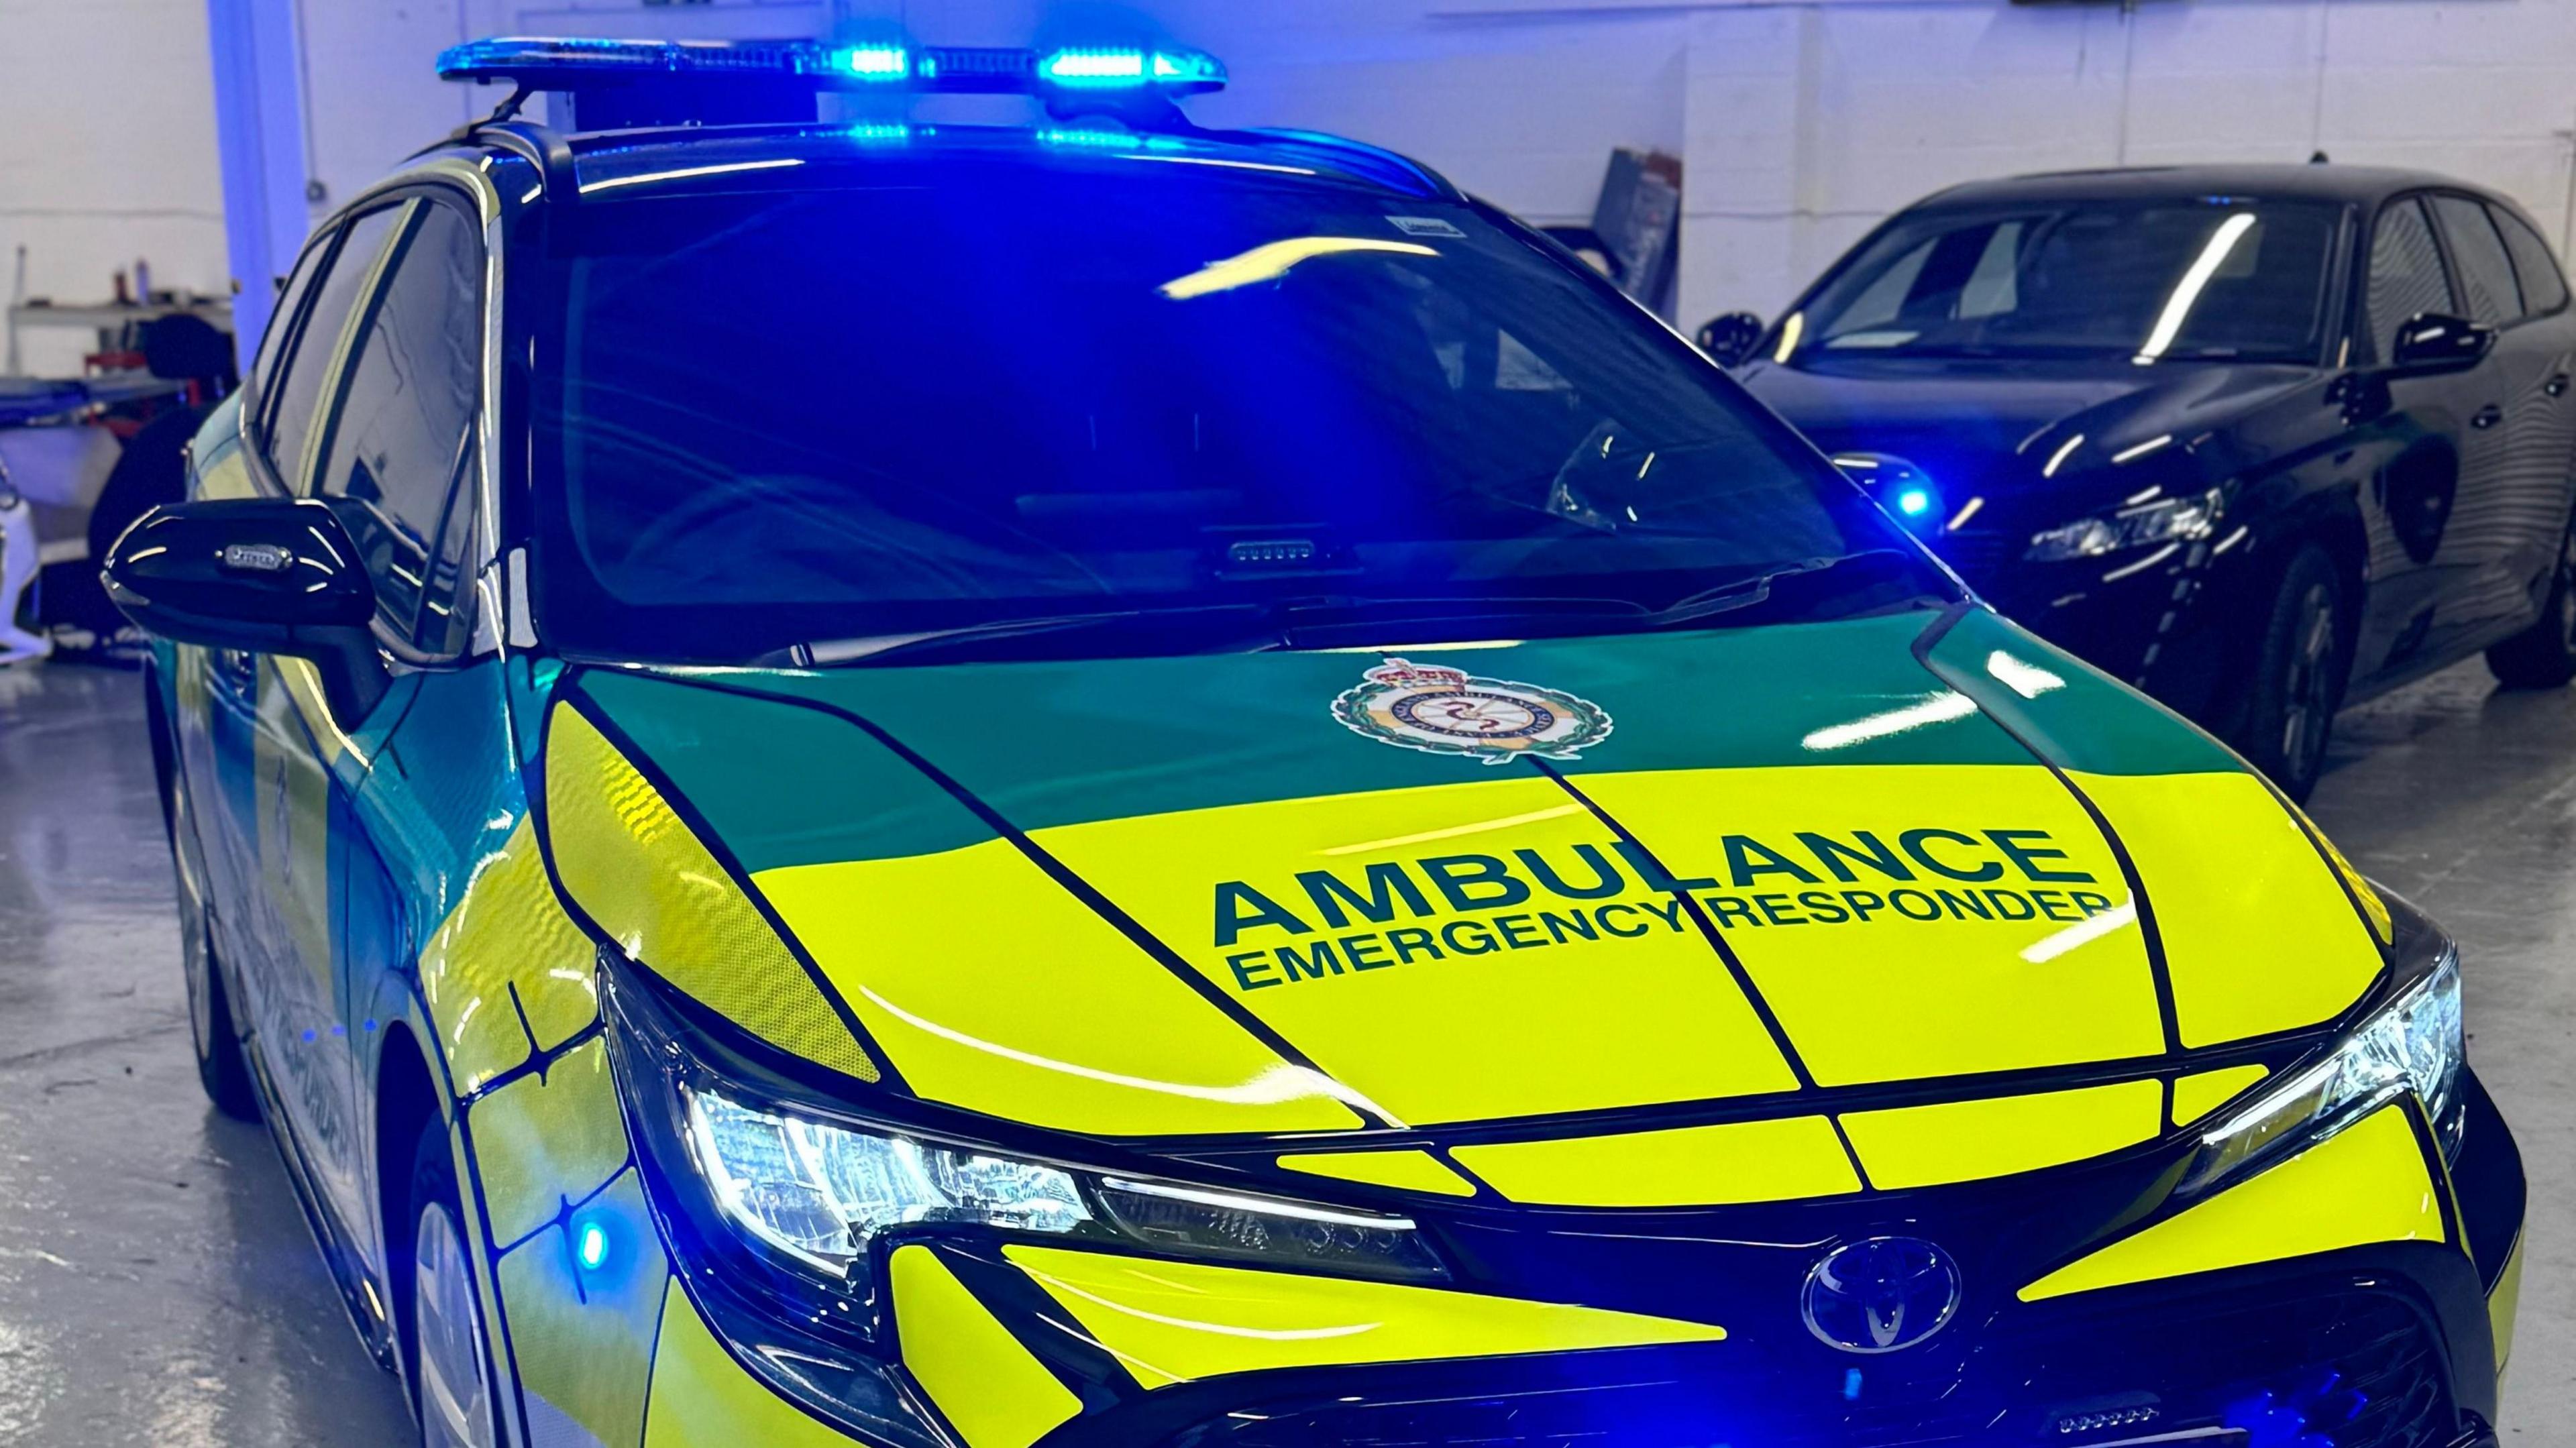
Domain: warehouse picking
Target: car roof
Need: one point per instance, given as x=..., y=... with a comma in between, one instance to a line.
x=2365, y=185
x=679, y=158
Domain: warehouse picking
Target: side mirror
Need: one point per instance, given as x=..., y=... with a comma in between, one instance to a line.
x=2432, y=342
x=1729, y=340
x=266, y=575
x=1586, y=243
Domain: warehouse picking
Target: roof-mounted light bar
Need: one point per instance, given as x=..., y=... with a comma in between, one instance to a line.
x=577, y=63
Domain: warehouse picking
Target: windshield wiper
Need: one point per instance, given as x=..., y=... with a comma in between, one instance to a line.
x=1759, y=590
x=884, y=648
x=1288, y=623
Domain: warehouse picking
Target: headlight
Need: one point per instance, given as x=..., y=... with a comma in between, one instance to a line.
x=1193, y=1221
x=786, y=1202
x=2169, y=520
x=822, y=1193
x=2414, y=1043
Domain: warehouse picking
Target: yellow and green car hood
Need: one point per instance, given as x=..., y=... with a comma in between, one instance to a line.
x=1518, y=918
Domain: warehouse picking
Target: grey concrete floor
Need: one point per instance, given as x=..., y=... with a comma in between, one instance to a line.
x=158, y=1287
x=157, y=1284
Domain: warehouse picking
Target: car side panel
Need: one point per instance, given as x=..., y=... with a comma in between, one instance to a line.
x=2512, y=501
x=500, y=982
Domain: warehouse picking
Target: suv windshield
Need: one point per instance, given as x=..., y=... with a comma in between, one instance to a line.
x=998, y=393
x=2147, y=281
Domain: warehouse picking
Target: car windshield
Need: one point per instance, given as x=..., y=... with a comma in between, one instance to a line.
x=998, y=393
x=2148, y=281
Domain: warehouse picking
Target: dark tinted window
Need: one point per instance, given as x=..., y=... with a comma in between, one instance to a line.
x=989, y=388
x=2406, y=277
x=2544, y=284
x=2179, y=280
x=446, y=613
x=403, y=424
x=281, y=322
x=297, y=394
x=2485, y=275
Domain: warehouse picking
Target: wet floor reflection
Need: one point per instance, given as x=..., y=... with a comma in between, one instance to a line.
x=157, y=1284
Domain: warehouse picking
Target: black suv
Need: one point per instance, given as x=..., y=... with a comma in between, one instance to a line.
x=2258, y=439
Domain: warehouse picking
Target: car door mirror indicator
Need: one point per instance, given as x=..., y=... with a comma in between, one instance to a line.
x=1729, y=340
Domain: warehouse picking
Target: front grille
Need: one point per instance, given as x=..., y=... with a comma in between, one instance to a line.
x=2342, y=1370
x=2368, y=1377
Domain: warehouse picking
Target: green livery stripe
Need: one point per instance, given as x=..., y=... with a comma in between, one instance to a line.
x=1048, y=745
x=781, y=783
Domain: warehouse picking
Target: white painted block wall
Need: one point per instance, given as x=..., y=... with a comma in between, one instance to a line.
x=1801, y=124
x=107, y=153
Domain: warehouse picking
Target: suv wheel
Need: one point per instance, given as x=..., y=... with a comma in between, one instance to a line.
x=450, y=1375
x=2299, y=675
x=2543, y=656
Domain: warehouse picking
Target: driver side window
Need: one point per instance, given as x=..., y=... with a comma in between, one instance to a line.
x=2406, y=276
x=398, y=447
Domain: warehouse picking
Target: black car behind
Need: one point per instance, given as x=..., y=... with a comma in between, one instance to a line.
x=2259, y=439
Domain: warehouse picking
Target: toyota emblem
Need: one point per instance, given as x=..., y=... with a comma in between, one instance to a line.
x=1880, y=1294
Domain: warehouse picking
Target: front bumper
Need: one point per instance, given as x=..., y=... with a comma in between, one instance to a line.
x=2386, y=1345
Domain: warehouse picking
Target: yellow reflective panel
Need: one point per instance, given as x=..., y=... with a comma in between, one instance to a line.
x=2372, y=907
x=1404, y=1171
x=2258, y=934
x=507, y=930
x=991, y=1389
x=703, y=1399
x=2501, y=1305
x=1743, y=1161
x=1963, y=1141
x=302, y=683
x=294, y=831
x=544, y=1140
x=226, y=475
x=2365, y=1184
x=1908, y=921
x=1452, y=952
x=582, y=1340
x=1177, y=1322
x=188, y=680
x=1044, y=1012
x=2198, y=1095
x=633, y=866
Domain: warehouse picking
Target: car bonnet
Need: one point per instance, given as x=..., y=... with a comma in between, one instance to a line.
x=1300, y=892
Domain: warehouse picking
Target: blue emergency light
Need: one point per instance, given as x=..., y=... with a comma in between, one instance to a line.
x=540, y=63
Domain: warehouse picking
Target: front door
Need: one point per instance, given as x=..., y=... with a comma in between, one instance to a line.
x=2512, y=494
x=389, y=445
x=2413, y=436
x=277, y=798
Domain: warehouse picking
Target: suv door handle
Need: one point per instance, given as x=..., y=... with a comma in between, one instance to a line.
x=2488, y=416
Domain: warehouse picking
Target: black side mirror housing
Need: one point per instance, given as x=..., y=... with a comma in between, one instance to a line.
x=1729, y=340
x=2432, y=342
x=265, y=575
x=1586, y=243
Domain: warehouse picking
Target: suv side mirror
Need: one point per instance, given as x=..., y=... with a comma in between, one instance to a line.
x=266, y=575
x=1729, y=340
x=2432, y=342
